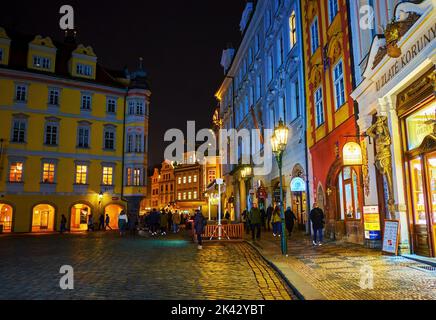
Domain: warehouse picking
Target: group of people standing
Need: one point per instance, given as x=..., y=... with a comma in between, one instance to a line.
x=163, y=222
x=257, y=219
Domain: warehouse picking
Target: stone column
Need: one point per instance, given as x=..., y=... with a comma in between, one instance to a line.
x=388, y=108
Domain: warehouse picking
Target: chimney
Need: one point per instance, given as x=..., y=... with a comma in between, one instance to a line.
x=70, y=36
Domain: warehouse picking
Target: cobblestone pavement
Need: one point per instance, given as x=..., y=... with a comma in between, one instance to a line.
x=336, y=268
x=108, y=267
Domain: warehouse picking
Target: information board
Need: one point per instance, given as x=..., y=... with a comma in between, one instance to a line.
x=371, y=218
x=391, y=236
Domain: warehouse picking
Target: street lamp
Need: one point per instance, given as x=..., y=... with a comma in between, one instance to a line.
x=279, y=141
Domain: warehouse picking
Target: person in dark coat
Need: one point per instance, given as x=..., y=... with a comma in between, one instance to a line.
x=199, y=225
x=63, y=224
x=269, y=213
x=227, y=215
x=317, y=218
x=101, y=222
x=255, y=222
x=246, y=221
x=290, y=218
x=107, y=223
x=263, y=217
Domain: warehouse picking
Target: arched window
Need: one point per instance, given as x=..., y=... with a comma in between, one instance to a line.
x=348, y=192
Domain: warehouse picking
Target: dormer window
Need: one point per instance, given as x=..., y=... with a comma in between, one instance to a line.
x=84, y=69
x=41, y=62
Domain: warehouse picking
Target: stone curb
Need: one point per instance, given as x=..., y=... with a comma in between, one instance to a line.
x=301, y=288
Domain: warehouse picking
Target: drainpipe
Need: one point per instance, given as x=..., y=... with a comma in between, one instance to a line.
x=124, y=148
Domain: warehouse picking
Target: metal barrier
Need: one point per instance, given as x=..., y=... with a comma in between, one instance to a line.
x=228, y=232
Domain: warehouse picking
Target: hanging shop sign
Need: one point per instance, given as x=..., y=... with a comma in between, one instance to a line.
x=371, y=218
x=391, y=236
x=261, y=193
x=298, y=185
x=352, y=154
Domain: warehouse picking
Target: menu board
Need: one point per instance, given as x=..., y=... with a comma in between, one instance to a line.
x=391, y=236
x=371, y=218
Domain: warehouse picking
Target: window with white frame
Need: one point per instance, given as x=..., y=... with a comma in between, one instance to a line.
x=338, y=76
x=314, y=35
x=83, y=136
x=139, y=108
x=19, y=126
x=111, y=105
x=319, y=107
x=53, y=96
x=129, y=172
x=21, y=93
x=86, y=102
x=109, y=138
x=130, y=142
x=51, y=133
x=190, y=179
x=41, y=62
x=48, y=171
x=179, y=180
x=107, y=175
x=184, y=180
x=138, y=143
x=84, y=69
x=81, y=174
x=195, y=195
x=333, y=9
x=16, y=171
x=137, y=177
x=292, y=30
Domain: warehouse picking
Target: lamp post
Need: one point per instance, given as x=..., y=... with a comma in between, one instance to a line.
x=278, y=143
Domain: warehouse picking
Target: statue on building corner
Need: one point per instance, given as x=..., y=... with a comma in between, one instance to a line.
x=379, y=131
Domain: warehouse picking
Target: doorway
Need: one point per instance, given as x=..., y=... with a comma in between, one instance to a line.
x=113, y=211
x=79, y=217
x=6, y=216
x=43, y=218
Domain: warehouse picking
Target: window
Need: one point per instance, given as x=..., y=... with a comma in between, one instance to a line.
x=109, y=139
x=130, y=143
x=333, y=9
x=319, y=107
x=86, y=102
x=190, y=179
x=179, y=196
x=195, y=178
x=138, y=143
x=314, y=36
x=53, y=97
x=139, y=108
x=189, y=195
x=270, y=68
x=211, y=175
x=339, y=84
x=84, y=69
x=195, y=195
x=129, y=177
x=280, y=51
x=137, y=177
x=16, y=172
x=48, y=172
x=184, y=195
x=184, y=180
x=131, y=109
x=292, y=30
x=111, y=105
x=81, y=174
x=348, y=194
x=83, y=137
x=108, y=176
x=41, y=62
x=21, y=93
x=19, y=130
x=51, y=134
x=282, y=108
x=179, y=180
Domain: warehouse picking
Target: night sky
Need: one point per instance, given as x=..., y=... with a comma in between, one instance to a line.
x=181, y=42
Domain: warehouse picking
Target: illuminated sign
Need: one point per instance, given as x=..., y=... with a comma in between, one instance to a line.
x=352, y=154
x=298, y=185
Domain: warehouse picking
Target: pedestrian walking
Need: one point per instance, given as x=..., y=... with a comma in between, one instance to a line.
x=277, y=222
x=263, y=217
x=290, y=218
x=101, y=222
x=317, y=218
x=107, y=222
x=269, y=213
x=199, y=225
x=163, y=223
x=227, y=215
x=122, y=222
x=170, y=220
x=90, y=222
x=63, y=224
x=246, y=221
x=255, y=221
x=176, y=222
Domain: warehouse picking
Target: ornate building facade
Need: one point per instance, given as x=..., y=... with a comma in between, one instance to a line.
x=73, y=135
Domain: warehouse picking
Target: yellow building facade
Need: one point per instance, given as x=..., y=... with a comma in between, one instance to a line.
x=65, y=122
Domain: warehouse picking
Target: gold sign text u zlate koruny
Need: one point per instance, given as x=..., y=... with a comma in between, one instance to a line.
x=407, y=57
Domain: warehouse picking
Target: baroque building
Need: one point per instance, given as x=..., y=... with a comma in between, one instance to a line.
x=73, y=135
x=264, y=82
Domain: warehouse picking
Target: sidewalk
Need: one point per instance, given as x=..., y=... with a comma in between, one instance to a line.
x=333, y=271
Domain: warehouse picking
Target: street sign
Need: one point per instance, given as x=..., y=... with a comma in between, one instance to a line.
x=298, y=185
